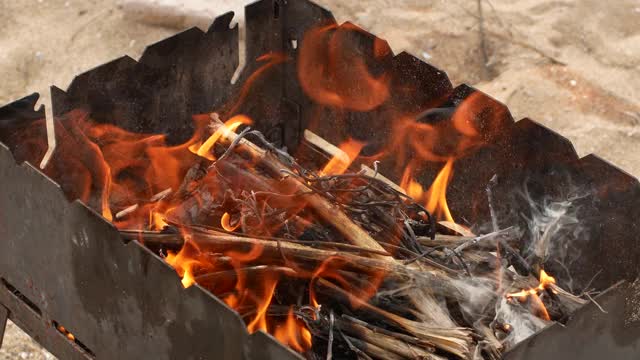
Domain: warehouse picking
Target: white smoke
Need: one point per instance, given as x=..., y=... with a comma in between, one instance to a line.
x=546, y=223
x=555, y=231
x=476, y=295
x=522, y=322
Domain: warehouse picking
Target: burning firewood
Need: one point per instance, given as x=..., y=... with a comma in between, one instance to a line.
x=399, y=289
x=327, y=259
x=325, y=209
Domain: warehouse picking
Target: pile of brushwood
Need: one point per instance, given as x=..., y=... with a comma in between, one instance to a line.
x=364, y=268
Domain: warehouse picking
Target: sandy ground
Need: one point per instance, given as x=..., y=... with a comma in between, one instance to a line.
x=573, y=65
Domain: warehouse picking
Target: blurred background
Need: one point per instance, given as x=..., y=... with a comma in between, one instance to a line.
x=572, y=65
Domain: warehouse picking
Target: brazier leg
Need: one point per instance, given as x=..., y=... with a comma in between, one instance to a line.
x=4, y=315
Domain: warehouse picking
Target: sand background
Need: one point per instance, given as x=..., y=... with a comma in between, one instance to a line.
x=572, y=65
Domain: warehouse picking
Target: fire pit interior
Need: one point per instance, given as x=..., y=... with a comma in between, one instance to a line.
x=331, y=199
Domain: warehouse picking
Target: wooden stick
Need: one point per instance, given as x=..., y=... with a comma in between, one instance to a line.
x=172, y=240
x=450, y=241
x=486, y=237
x=161, y=195
x=372, y=173
x=333, y=151
x=568, y=300
x=249, y=272
x=405, y=338
x=386, y=341
x=456, y=228
x=454, y=340
x=372, y=350
x=126, y=211
x=323, y=207
x=272, y=252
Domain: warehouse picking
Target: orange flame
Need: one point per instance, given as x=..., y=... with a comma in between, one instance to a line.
x=436, y=197
x=306, y=337
x=533, y=293
x=113, y=169
x=292, y=333
x=546, y=280
x=325, y=270
x=271, y=59
x=106, y=193
x=247, y=292
x=229, y=126
x=442, y=134
x=414, y=189
x=330, y=269
x=260, y=321
x=334, y=73
x=156, y=221
x=409, y=185
x=185, y=261
x=187, y=278
x=340, y=162
x=225, y=222
x=538, y=307
x=437, y=194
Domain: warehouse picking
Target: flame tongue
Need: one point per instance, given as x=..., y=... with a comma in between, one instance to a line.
x=229, y=126
x=260, y=320
x=533, y=294
x=332, y=71
x=293, y=334
x=435, y=198
x=339, y=163
x=437, y=194
x=225, y=222
x=545, y=282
